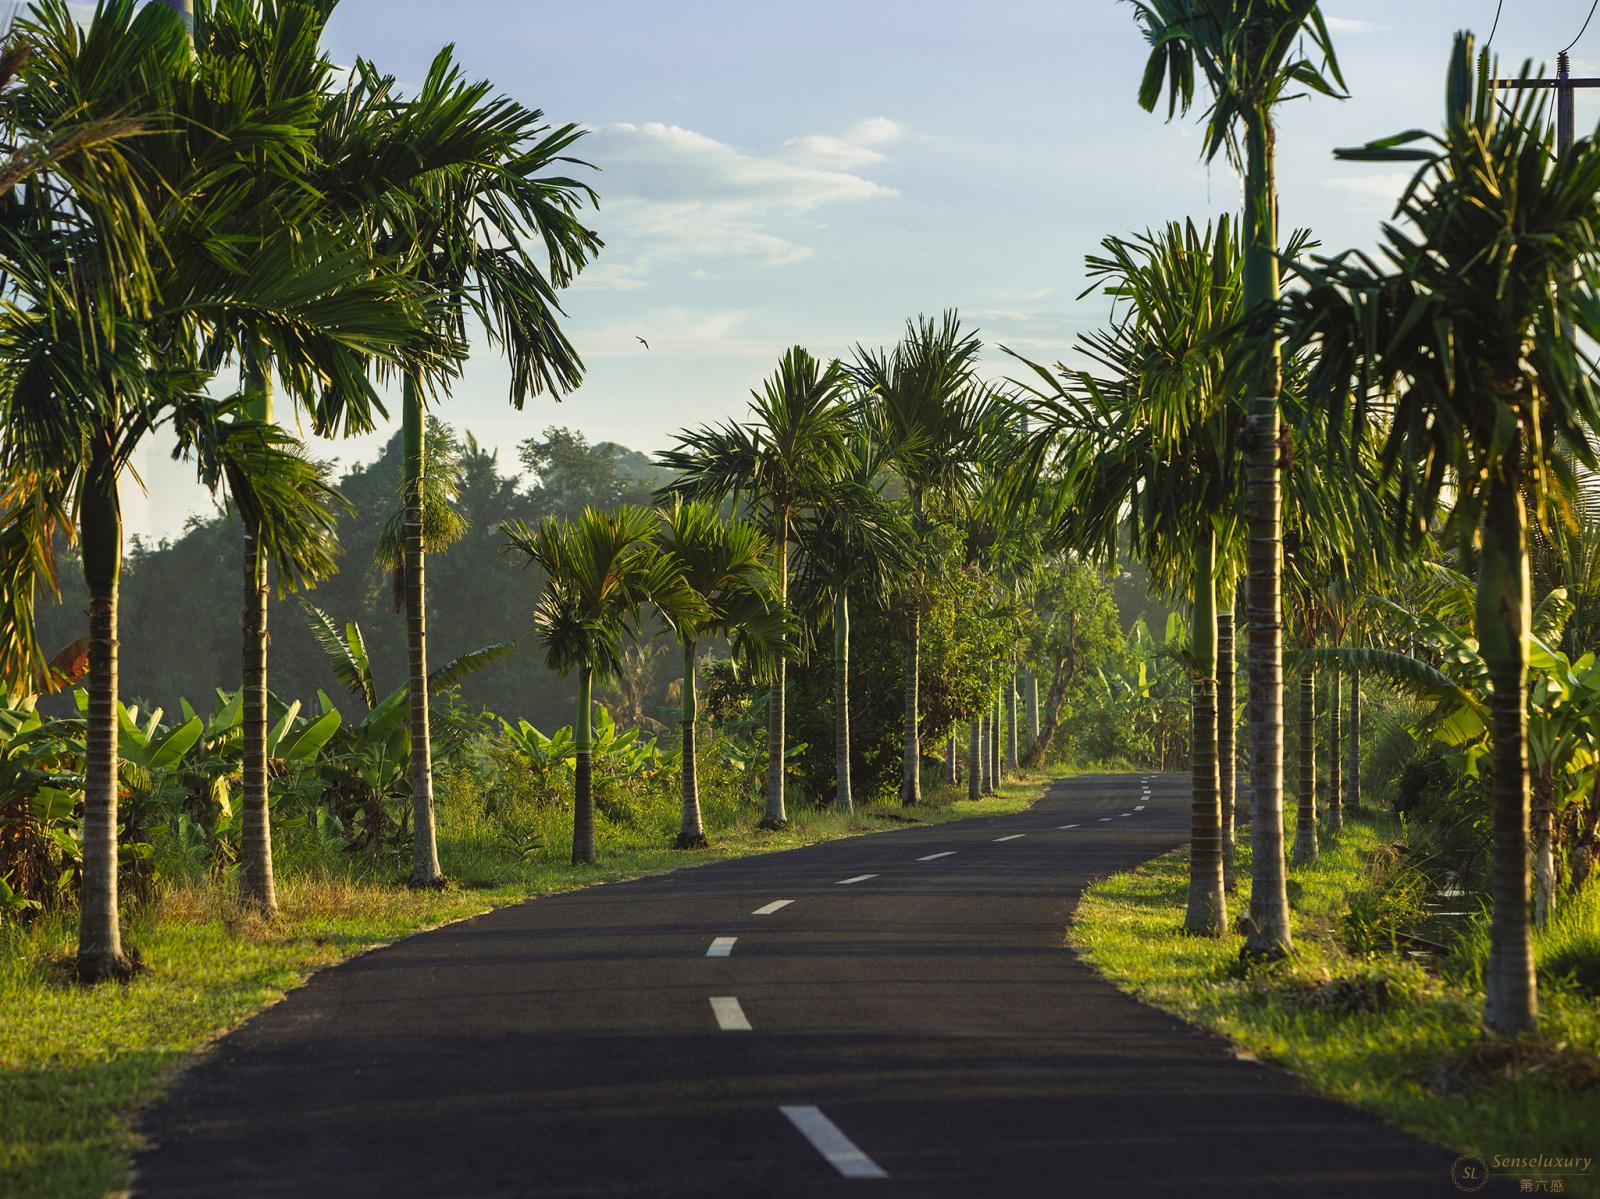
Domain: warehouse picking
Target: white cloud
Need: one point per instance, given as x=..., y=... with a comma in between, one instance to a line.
x=1020, y=295
x=1384, y=187
x=676, y=332
x=672, y=193
x=1353, y=25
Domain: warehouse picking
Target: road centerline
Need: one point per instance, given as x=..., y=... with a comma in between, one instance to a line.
x=775, y=905
x=932, y=857
x=826, y=1138
x=730, y=1016
x=721, y=947
x=860, y=878
x=1066, y=826
x=1012, y=837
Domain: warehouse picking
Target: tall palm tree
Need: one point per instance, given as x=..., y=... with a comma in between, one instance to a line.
x=1252, y=54
x=727, y=565
x=493, y=230
x=1453, y=343
x=602, y=570
x=936, y=414
x=853, y=544
x=780, y=464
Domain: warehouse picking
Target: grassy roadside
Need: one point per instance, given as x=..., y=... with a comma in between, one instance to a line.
x=77, y=1065
x=1372, y=1028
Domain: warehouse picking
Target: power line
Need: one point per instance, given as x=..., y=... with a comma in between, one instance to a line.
x=1499, y=4
x=1586, y=21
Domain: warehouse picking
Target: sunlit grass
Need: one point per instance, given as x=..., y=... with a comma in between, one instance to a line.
x=1376, y=1029
x=77, y=1064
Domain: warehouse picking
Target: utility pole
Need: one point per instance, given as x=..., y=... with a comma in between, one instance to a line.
x=1566, y=96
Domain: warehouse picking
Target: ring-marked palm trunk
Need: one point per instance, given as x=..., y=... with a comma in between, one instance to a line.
x=1268, y=934
x=1305, y=828
x=985, y=748
x=1544, y=859
x=1207, y=911
x=1511, y=1003
x=1227, y=774
x=582, y=771
x=776, y=815
x=975, y=760
x=1353, y=737
x=843, y=795
x=257, y=887
x=951, y=775
x=911, y=761
x=1033, y=707
x=997, y=770
x=100, y=953
x=425, y=871
x=1335, y=753
x=1011, y=722
x=691, y=830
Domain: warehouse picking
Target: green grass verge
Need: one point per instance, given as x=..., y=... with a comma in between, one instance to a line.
x=77, y=1064
x=1375, y=1029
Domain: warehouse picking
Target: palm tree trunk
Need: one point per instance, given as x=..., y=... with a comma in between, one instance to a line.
x=997, y=766
x=951, y=776
x=1032, y=693
x=1353, y=736
x=100, y=953
x=1544, y=859
x=583, y=780
x=975, y=760
x=1207, y=914
x=257, y=888
x=1227, y=774
x=425, y=871
x=1305, y=829
x=776, y=816
x=1511, y=1002
x=1335, y=752
x=1268, y=934
x=985, y=736
x=691, y=832
x=843, y=794
x=911, y=763
x=184, y=9
x=1011, y=722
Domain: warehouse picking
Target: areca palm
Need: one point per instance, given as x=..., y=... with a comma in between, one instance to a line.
x=603, y=569
x=1454, y=342
x=727, y=565
x=935, y=413
x=1252, y=55
x=779, y=464
x=489, y=224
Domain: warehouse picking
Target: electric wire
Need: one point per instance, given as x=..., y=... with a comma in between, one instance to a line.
x=1586, y=21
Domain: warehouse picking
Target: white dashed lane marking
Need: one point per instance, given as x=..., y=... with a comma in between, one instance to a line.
x=860, y=878
x=772, y=907
x=839, y=1150
x=1066, y=826
x=730, y=1016
x=721, y=947
x=1012, y=837
x=933, y=857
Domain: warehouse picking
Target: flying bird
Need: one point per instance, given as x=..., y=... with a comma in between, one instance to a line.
x=641, y=341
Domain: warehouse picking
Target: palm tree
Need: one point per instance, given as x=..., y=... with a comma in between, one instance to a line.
x=492, y=229
x=727, y=565
x=1253, y=54
x=779, y=465
x=602, y=570
x=854, y=543
x=935, y=414
x=1453, y=342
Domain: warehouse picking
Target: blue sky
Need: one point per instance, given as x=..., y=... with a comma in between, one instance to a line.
x=815, y=173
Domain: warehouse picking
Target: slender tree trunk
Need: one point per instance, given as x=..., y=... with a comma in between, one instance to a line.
x=691, y=833
x=1305, y=830
x=1208, y=906
x=1544, y=858
x=1226, y=749
x=1511, y=1002
x=1052, y=716
x=100, y=953
x=257, y=888
x=1011, y=722
x=583, y=778
x=911, y=764
x=776, y=815
x=975, y=760
x=1335, y=751
x=988, y=750
x=843, y=794
x=1353, y=772
x=185, y=9
x=997, y=770
x=1033, y=706
x=1268, y=934
x=951, y=777
x=425, y=871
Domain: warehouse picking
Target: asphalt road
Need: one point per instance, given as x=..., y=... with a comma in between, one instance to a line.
x=909, y=1023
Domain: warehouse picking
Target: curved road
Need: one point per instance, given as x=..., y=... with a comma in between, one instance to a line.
x=893, y=1013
